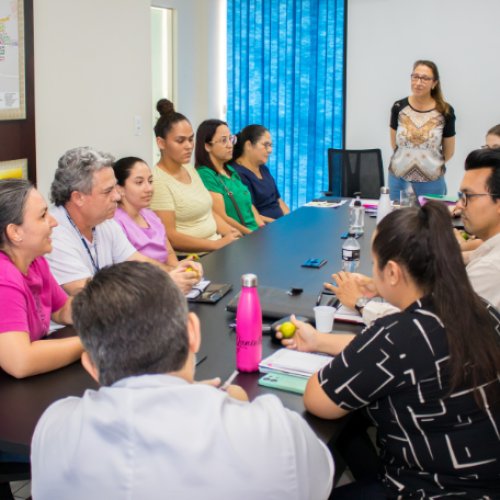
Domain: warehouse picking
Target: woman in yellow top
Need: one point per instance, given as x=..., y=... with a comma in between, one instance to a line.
x=180, y=199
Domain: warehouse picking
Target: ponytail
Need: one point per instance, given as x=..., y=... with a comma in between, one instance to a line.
x=252, y=133
x=422, y=242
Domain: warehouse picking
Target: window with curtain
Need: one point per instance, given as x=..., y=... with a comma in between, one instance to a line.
x=285, y=70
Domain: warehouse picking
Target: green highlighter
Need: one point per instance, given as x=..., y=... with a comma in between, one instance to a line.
x=284, y=382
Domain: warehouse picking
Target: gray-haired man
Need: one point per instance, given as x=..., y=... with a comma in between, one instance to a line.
x=150, y=432
x=86, y=238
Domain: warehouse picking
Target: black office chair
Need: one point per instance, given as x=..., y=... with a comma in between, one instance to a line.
x=355, y=171
x=12, y=471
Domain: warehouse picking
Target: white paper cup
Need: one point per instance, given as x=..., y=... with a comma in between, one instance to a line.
x=324, y=316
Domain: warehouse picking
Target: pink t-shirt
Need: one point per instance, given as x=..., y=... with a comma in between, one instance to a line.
x=26, y=302
x=150, y=241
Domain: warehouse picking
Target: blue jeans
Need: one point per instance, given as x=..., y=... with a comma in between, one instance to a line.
x=360, y=490
x=13, y=457
x=397, y=184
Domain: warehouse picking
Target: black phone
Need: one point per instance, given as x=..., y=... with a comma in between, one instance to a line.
x=315, y=263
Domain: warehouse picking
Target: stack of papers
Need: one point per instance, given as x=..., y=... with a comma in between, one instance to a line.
x=349, y=315
x=299, y=364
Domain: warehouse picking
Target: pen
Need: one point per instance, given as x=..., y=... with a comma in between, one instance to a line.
x=201, y=360
x=228, y=382
x=319, y=298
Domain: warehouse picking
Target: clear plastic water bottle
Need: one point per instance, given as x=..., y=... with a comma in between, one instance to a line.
x=350, y=254
x=248, y=326
x=357, y=216
x=384, y=204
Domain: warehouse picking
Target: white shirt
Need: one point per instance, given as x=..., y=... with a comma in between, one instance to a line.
x=484, y=270
x=484, y=275
x=157, y=436
x=69, y=260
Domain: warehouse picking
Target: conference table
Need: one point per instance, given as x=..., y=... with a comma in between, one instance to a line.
x=275, y=254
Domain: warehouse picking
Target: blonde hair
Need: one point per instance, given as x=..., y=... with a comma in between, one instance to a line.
x=436, y=93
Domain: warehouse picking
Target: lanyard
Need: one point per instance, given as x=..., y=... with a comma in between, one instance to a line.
x=95, y=264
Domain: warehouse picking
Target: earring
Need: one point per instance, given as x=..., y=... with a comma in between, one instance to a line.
x=20, y=239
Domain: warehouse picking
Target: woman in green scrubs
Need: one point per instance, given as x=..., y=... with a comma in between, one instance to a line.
x=232, y=199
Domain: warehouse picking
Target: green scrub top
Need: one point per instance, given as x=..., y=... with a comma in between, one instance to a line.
x=240, y=192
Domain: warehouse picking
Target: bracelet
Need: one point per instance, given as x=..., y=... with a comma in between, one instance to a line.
x=263, y=225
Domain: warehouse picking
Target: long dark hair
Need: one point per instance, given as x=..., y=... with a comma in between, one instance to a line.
x=422, y=242
x=252, y=133
x=436, y=93
x=204, y=135
x=168, y=118
x=13, y=196
x=123, y=167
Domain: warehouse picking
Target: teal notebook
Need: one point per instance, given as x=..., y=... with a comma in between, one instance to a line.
x=448, y=198
x=284, y=382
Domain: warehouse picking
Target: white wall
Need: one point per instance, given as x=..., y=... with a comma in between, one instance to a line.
x=200, y=57
x=385, y=37
x=92, y=76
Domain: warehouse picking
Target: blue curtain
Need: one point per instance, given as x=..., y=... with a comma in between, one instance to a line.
x=285, y=68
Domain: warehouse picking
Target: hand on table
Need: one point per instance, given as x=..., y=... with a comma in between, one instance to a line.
x=229, y=238
x=348, y=290
x=234, y=391
x=305, y=338
x=186, y=279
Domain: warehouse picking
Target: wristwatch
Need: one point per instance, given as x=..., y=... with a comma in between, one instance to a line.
x=360, y=303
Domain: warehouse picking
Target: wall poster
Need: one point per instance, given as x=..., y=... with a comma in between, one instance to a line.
x=12, y=85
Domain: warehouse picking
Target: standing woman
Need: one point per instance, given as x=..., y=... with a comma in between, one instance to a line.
x=422, y=135
x=142, y=227
x=181, y=200
x=232, y=199
x=250, y=155
x=29, y=295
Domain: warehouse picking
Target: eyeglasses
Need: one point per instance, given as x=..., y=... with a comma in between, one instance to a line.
x=267, y=145
x=464, y=197
x=423, y=79
x=496, y=146
x=225, y=140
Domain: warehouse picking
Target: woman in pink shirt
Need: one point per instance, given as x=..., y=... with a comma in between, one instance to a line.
x=29, y=295
x=143, y=227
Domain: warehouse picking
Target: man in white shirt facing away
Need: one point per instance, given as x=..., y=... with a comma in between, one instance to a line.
x=149, y=431
x=479, y=202
x=87, y=238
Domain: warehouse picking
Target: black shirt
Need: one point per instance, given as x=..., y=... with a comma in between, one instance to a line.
x=433, y=445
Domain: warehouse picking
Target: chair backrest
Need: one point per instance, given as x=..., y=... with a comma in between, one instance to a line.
x=355, y=170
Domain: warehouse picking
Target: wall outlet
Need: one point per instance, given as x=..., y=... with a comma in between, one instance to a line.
x=138, y=125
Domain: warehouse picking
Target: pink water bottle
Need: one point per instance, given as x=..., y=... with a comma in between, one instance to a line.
x=248, y=326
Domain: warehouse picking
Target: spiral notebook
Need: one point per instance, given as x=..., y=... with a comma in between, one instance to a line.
x=298, y=364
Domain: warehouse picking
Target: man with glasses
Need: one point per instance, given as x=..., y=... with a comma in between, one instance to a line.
x=479, y=202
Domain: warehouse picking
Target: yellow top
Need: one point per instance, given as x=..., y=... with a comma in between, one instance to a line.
x=192, y=203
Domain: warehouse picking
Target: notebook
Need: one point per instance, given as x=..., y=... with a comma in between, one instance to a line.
x=299, y=364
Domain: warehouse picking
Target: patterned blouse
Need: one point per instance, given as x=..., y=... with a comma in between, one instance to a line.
x=419, y=135
x=434, y=444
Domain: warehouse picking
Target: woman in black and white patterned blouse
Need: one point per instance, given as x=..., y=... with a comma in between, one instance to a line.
x=422, y=135
x=427, y=377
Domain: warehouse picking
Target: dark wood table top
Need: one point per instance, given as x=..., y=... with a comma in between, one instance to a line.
x=275, y=254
